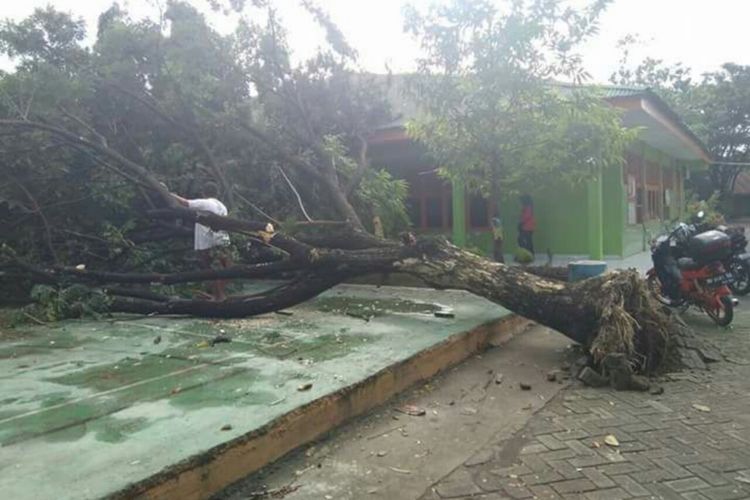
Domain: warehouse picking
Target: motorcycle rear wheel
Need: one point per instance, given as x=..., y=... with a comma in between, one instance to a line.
x=741, y=271
x=724, y=315
x=653, y=283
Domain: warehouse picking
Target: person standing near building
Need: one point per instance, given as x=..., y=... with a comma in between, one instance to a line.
x=211, y=246
x=527, y=224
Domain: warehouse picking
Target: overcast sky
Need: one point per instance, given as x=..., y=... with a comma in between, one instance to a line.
x=703, y=34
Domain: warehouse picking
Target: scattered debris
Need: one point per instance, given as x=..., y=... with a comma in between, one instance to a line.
x=359, y=316
x=226, y=427
x=524, y=386
x=400, y=471
x=135, y=462
x=589, y=377
x=176, y=390
x=703, y=408
x=388, y=431
x=552, y=376
x=219, y=339
x=274, y=403
x=595, y=444
x=305, y=387
x=655, y=391
x=277, y=493
x=639, y=383
x=81, y=267
x=284, y=313
x=743, y=479
x=499, y=378
x=157, y=339
x=528, y=407
x=414, y=411
x=300, y=472
x=372, y=491
x=469, y=411
x=611, y=440
x=202, y=344
x=444, y=313
x=382, y=453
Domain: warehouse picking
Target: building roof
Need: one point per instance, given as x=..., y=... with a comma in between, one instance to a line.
x=663, y=127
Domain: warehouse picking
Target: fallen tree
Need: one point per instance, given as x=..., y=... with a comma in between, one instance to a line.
x=613, y=316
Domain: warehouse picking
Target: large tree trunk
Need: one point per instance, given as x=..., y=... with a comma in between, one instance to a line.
x=611, y=314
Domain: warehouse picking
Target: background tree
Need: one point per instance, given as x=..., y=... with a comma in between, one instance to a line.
x=716, y=106
x=493, y=113
x=174, y=99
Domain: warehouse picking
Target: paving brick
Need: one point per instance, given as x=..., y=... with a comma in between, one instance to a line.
x=726, y=465
x=533, y=448
x=543, y=492
x=571, y=434
x=594, y=460
x=596, y=477
x=631, y=486
x=564, y=468
x=458, y=484
x=608, y=494
x=515, y=470
x=580, y=447
x=487, y=481
x=548, y=476
x=534, y=463
x=693, y=495
x=663, y=492
x=619, y=468
x=557, y=455
x=573, y=486
x=671, y=467
x=517, y=490
x=725, y=493
x=712, y=478
x=652, y=476
x=551, y=443
x=687, y=484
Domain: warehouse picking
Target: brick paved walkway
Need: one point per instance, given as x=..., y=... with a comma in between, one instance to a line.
x=668, y=448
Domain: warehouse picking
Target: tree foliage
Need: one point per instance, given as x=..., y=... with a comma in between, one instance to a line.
x=493, y=109
x=176, y=100
x=715, y=105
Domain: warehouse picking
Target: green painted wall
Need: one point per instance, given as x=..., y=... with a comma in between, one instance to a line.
x=594, y=218
x=459, y=213
x=561, y=214
x=614, y=209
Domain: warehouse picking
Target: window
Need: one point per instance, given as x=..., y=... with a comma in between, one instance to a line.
x=479, y=212
x=654, y=203
x=414, y=209
x=433, y=213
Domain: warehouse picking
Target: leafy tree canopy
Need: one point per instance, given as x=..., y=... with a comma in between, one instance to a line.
x=180, y=103
x=715, y=105
x=494, y=112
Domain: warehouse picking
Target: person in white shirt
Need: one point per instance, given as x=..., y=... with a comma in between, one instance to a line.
x=212, y=246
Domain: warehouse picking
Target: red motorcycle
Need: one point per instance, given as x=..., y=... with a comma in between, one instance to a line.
x=688, y=271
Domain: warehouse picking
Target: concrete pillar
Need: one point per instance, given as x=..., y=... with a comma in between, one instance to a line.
x=459, y=213
x=595, y=218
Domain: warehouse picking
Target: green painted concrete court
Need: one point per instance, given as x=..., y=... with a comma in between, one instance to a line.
x=90, y=407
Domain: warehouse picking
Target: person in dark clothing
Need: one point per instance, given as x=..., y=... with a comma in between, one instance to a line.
x=527, y=224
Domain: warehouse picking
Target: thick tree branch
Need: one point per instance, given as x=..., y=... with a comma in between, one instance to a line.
x=133, y=168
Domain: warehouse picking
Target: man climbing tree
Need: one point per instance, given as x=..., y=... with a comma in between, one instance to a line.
x=212, y=246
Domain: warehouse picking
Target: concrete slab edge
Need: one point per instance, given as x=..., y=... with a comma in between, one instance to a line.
x=203, y=475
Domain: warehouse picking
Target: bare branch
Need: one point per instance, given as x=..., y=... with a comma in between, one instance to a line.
x=296, y=193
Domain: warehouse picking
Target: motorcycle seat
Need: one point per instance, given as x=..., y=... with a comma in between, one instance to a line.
x=688, y=264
